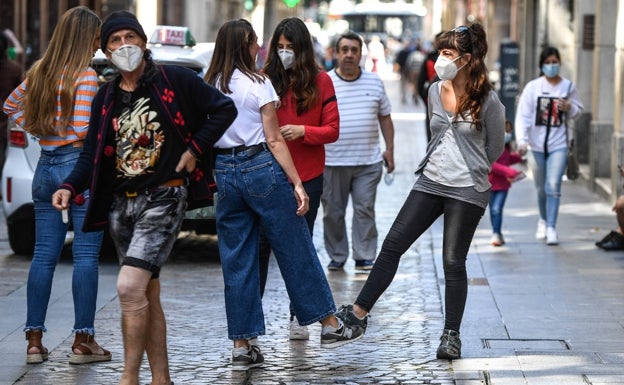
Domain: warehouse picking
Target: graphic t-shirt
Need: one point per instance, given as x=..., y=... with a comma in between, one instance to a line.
x=547, y=109
x=144, y=156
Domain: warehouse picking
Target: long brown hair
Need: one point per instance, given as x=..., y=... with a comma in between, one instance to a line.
x=68, y=55
x=300, y=78
x=232, y=52
x=470, y=40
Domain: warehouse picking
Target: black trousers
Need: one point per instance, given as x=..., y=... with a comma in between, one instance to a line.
x=418, y=213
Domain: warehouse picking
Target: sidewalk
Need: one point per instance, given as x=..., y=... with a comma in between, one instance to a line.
x=540, y=314
x=535, y=315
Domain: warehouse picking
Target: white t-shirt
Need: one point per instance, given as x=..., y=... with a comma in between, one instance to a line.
x=360, y=103
x=248, y=96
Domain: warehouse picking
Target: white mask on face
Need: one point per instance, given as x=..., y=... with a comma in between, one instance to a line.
x=127, y=58
x=287, y=56
x=446, y=68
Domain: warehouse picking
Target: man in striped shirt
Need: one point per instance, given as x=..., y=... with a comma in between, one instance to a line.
x=353, y=164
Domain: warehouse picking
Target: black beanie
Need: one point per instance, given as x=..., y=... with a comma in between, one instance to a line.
x=120, y=20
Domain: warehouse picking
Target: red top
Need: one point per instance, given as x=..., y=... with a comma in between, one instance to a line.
x=321, y=126
x=501, y=172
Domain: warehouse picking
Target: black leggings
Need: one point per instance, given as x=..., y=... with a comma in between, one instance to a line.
x=418, y=213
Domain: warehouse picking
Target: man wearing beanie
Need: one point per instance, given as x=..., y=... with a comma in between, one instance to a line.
x=144, y=157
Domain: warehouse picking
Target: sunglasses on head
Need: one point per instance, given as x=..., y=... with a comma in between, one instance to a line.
x=460, y=29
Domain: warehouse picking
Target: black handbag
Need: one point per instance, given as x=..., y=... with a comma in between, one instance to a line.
x=572, y=169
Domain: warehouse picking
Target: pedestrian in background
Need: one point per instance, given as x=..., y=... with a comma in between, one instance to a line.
x=10, y=78
x=353, y=164
x=544, y=108
x=615, y=239
x=153, y=126
x=308, y=119
x=53, y=103
x=501, y=177
x=426, y=77
x=407, y=74
x=258, y=185
x=467, y=123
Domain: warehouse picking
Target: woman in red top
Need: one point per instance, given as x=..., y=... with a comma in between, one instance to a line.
x=308, y=119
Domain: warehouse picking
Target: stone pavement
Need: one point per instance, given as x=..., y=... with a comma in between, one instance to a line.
x=536, y=314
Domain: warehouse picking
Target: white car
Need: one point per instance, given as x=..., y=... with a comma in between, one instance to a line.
x=169, y=45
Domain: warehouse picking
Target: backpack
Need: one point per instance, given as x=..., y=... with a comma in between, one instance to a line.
x=415, y=61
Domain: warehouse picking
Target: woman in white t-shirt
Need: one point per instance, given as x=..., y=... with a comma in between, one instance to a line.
x=255, y=178
x=545, y=105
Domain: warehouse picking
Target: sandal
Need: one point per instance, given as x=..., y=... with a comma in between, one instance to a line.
x=89, y=350
x=34, y=341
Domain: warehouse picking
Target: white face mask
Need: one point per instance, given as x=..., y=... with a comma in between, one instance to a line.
x=508, y=137
x=446, y=68
x=287, y=56
x=127, y=58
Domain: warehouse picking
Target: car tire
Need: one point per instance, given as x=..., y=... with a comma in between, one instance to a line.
x=21, y=232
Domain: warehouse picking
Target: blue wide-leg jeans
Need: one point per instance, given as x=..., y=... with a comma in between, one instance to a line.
x=50, y=232
x=254, y=190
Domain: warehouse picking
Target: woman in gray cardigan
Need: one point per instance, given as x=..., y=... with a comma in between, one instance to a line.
x=468, y=130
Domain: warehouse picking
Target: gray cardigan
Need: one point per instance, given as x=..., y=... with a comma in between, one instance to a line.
x=479, y=148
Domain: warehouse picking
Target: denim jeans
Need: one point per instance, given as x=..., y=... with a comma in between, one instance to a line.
x=254, y=191
x=497, y=203
x=50, y=233
x=418, y=213
x=145, y=227
x=547, y=174
x=314, y=189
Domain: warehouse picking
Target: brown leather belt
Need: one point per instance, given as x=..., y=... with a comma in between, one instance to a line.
x=78, y=144
x=170, y=183
x=249, y=150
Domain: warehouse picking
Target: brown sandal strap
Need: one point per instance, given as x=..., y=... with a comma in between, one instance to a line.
x=81, y=345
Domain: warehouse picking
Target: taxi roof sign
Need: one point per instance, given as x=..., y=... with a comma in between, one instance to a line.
x=172, y=35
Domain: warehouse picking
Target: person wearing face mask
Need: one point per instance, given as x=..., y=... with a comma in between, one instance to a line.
x=151, y=132
x=542, y=131
x=501, y=177
x=59, y=116
x=308, y=119
x=259, y=185
x=467, y=127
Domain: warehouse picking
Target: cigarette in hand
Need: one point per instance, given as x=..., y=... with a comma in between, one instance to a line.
x=65, y=214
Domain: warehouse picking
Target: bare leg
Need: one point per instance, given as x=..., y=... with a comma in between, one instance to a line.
x=156, y=346
x=359, y=312
x=132, y=284
x=330, y=321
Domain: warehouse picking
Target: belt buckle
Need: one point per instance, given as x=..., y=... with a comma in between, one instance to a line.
x=130, y=194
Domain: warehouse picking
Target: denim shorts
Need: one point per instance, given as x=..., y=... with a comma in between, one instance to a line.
x=145, y=227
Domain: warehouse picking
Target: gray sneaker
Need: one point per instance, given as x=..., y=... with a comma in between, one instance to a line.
x=346, y=314
x=332, y=337
x=243, y=359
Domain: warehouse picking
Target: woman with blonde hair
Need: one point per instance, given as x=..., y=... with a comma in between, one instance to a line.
x=53, y=103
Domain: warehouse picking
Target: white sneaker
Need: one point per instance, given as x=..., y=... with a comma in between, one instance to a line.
x=497, y=240
x=551, y=236
x=541, y=229
x=298, y=332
